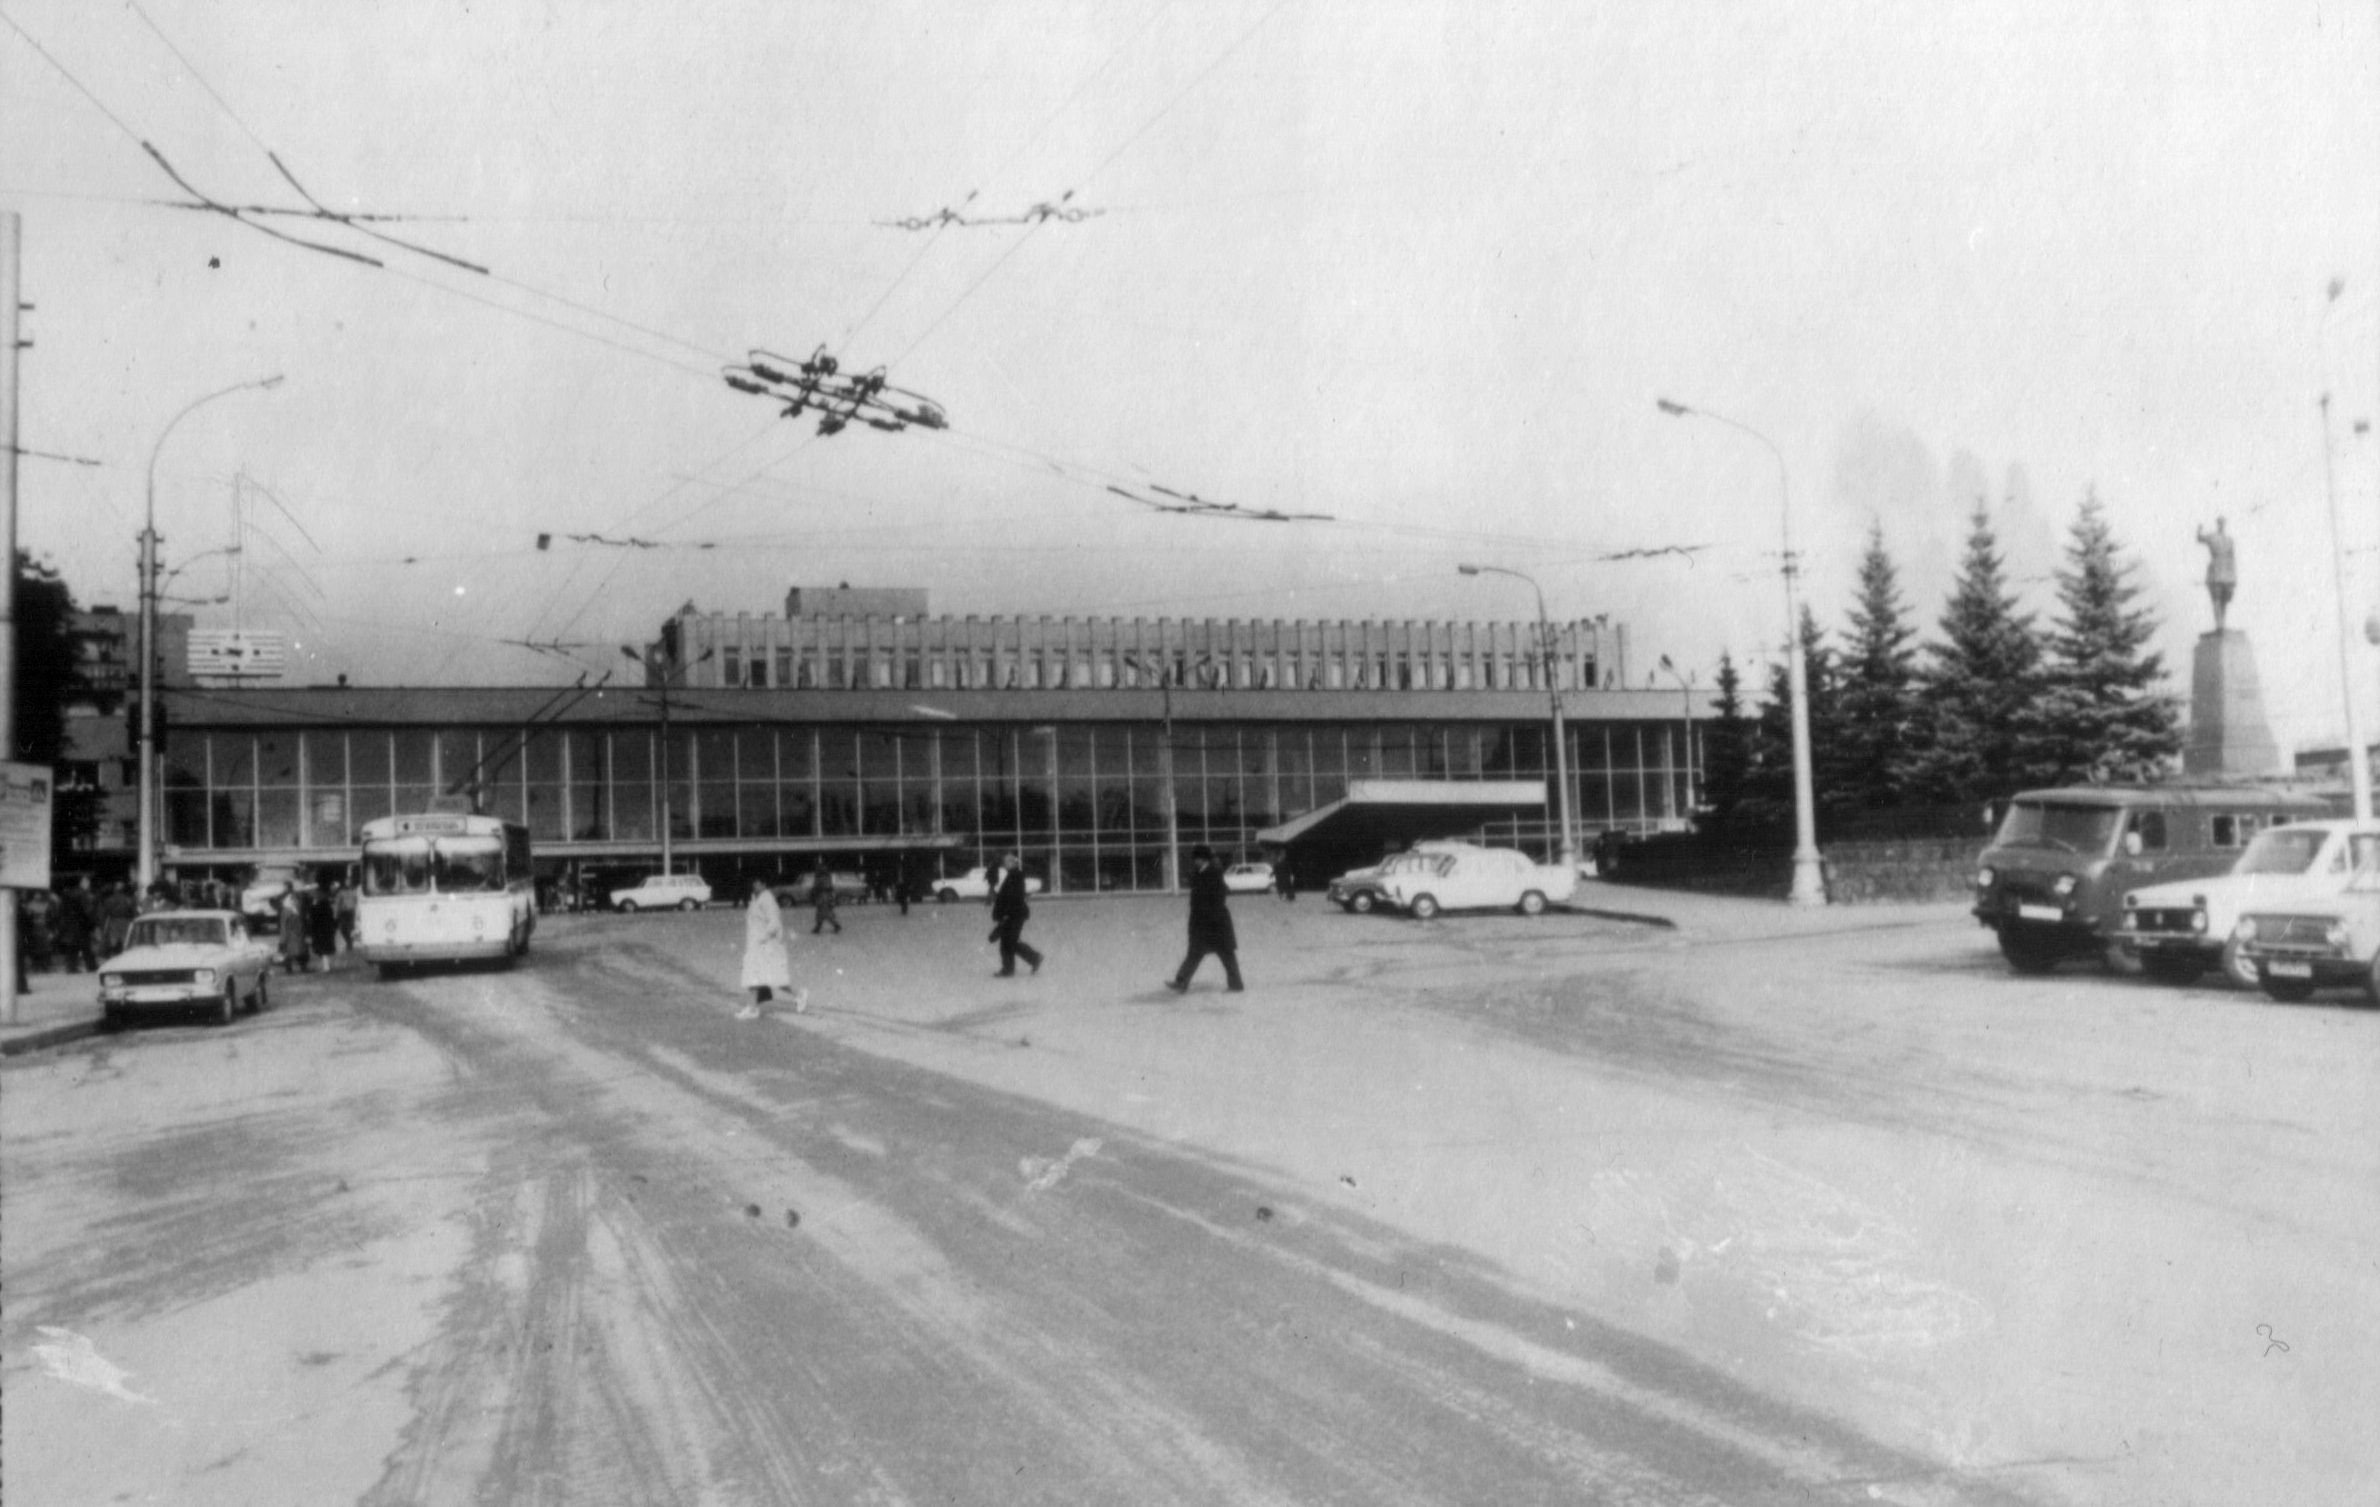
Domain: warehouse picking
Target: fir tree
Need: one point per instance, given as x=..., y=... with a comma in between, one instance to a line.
x=1975, y=688
x=1726, y=752
x=2101, y=715
x=48, y=675
x=1868, y=752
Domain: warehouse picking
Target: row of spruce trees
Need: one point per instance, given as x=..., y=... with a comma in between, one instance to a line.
x=1993, y=705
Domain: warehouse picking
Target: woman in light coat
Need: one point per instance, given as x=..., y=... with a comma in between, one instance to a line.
x=765, y=968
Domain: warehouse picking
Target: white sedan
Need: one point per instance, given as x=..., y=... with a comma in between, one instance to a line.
x=1248, y=878
x=185, y=959
x=663, y=892
x=975, y=884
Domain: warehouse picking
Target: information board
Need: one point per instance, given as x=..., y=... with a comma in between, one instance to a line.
x=25, y=791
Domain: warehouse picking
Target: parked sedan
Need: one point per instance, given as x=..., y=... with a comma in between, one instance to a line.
x=183, y=960
x=664, y=892
x=2332, y=942
x=802, y=889
x=975, y=884
x=1248, y=878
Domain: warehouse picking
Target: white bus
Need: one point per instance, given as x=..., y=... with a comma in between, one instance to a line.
x=444, y=886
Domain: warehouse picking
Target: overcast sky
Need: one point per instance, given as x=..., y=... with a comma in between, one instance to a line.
x=1423, y=268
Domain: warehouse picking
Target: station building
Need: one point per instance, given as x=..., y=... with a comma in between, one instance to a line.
x=857, y=729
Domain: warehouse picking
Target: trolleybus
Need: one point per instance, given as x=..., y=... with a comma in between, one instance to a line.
x=442, y=887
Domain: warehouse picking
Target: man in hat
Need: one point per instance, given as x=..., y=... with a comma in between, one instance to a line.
x=1210, y=924
x=1009, y=913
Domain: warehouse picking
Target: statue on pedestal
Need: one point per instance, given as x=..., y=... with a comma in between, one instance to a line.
x=2222, y=569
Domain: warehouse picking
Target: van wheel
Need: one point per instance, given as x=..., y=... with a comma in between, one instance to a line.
x=2288, y=991
x=1424, y=907
x=1532, y=904
x=1361, y=902
x=2027, y=954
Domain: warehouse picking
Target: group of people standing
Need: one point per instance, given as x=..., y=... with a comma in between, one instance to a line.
x=316, y=925
x=767, y=970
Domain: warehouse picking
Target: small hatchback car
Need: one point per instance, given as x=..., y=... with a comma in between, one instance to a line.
x=185, y=960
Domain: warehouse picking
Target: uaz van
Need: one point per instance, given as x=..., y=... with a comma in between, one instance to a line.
x=2052, y=883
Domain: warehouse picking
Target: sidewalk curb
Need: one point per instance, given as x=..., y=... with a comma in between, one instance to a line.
x=1637, y=917
x=48, y=1036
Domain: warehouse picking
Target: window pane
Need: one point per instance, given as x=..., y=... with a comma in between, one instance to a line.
x=326, y=758
x=277, y=764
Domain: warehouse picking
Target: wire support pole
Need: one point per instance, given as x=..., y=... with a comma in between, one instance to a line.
x=147, y=862
x=1809, y=871
x=1553, y=691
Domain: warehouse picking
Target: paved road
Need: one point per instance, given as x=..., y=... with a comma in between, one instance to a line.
x=1489, y=1210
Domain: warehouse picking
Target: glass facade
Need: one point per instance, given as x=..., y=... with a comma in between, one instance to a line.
x=1084, y=802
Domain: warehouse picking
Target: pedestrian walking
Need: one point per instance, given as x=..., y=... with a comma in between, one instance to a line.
x=322, y=926
x=822, y=902
x=1210, y=924
x=1285, y=878
x=346, y=911
x=294, y=952
x=116, y=911
x=73, y=925
x=1010, y=912
x=766, y=969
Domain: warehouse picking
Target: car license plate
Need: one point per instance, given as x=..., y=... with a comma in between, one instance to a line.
x=2040, y=913
x=2286, y=970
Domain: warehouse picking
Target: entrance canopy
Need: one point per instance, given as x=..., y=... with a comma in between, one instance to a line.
x=1383, y=812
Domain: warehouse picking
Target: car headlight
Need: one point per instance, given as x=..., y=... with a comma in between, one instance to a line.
x=2336, y=935
x=2064, y=886
x=111, y=981
x=203, y=976
x=2198, y=921
x=2246, y=930
x=1984, y=878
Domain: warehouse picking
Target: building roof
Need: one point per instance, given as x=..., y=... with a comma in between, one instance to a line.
x=447, y=706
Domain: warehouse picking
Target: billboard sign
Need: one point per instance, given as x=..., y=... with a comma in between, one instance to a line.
x=237, y=654
x=25, y=791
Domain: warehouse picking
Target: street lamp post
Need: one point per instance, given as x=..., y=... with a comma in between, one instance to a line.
x=1173, y=824
x=659, y=670
x=1809, y=876
x=147, y=864
x=1685, y=724
x=2359, y=768
x=1553, y=691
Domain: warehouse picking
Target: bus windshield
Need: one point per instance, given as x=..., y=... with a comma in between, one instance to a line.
x=445, y=865
x=2076, y=829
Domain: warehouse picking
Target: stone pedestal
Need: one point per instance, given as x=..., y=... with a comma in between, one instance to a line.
x=2228, y=733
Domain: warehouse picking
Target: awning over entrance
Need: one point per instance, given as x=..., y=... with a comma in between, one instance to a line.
x=1405, y=811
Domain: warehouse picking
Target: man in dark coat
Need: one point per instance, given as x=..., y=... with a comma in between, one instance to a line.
x=1009, y=914
x=1210, y=924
